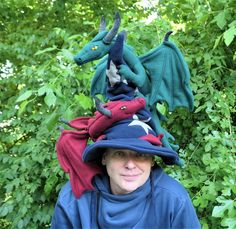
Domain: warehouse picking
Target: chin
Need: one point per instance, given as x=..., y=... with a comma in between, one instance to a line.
x=130, y=188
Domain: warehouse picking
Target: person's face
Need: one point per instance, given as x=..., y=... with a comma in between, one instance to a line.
x=127, y=169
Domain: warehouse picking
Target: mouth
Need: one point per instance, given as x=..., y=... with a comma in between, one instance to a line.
x=80, y=61
x=130, y=177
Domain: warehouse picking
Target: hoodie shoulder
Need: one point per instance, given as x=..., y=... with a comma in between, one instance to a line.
x=163, y=181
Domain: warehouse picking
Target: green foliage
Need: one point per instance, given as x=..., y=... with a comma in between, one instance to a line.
x=207, y=137
x=40, y=83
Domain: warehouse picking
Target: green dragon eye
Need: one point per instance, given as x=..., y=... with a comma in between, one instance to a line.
x=94, y=48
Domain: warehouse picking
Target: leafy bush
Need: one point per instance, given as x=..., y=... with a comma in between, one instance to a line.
x=207, y=137
x=40, y=83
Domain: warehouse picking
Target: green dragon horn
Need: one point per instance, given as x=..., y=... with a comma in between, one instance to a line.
x=111, y=34
x=102, y=24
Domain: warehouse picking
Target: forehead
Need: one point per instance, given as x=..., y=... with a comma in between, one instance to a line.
x=111, y=150
x=125, y=152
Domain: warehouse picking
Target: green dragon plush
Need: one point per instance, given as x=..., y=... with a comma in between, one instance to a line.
x=161, y=75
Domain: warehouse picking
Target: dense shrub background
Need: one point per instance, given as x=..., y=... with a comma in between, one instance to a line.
x=39, y=83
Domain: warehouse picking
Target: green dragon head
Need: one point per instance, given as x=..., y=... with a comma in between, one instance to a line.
x=100, y=45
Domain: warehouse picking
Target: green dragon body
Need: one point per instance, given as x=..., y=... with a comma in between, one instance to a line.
x=161, y=75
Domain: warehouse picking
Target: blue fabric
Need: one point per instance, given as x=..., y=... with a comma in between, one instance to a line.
x=120, y=91
x=123, y=211
x=126, y=134
x=94, y=151
x=160, y=203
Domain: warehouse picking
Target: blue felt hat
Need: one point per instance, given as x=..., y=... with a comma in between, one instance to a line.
x=131, y=134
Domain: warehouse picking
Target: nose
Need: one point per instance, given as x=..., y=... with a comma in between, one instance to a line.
x=78, y=60
x=130, y=164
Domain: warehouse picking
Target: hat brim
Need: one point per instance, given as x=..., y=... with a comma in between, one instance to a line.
x=94, y=151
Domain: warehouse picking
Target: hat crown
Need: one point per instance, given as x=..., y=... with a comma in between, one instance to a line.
x=129, y=128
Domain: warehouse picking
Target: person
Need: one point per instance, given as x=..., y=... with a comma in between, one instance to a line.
x=132, y=191
x=115, y=182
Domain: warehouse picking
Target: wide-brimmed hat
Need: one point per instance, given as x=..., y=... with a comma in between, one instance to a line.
x=131, y=134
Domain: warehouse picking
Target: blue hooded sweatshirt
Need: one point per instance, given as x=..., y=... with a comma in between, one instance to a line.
x=160, y=203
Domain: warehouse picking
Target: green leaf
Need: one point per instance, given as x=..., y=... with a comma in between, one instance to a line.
x=69, y=114
x=24, y=96
x=45, y=50
x=162, y=108
x=217, y=41
x=191, y=146
x=20, y=224
x=50, y=98
x=52, y=120
x=229, y=222
x=42, y=90
x=208, y=147
x=206, y=158
x=229, y=35
x=218, y=211
x=220, y=19
x=22, y=107
x=3, y=210
x=84, y=101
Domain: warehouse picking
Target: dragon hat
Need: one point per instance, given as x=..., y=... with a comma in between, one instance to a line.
x=124, y=122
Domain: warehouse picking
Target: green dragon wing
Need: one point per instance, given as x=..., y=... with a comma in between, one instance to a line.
x=99, y=80
x=169, y=75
